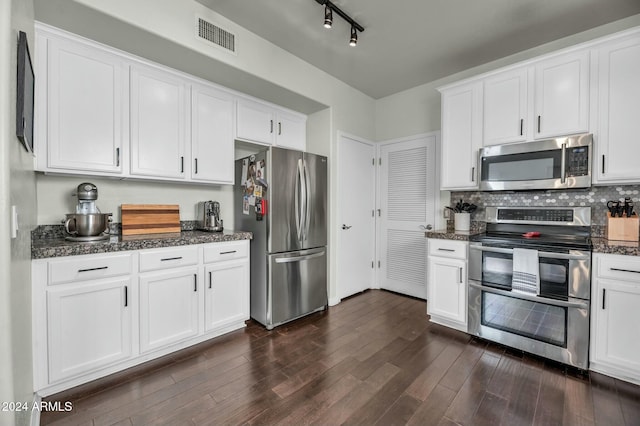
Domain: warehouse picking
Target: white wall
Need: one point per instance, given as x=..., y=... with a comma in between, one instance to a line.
x=55, y=196
x=17, y=187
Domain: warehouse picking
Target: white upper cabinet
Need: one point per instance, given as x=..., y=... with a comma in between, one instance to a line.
x=212, y=147
x=506, y=106
x=265, y=124
x=255, y=122
x=291, y=130
x=84, y=90
x=159, y=112
x=617, y=65
x=562, y=95
x=461, y=135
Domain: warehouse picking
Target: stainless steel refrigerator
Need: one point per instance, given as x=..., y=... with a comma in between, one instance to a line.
x=281, y=196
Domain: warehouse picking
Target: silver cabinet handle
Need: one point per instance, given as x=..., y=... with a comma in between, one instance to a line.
x=539, y=123
x=602, y=163
x=521, y=126
x=426, y=228
x=170, y=258
x=460, y=270
x=345, y=226
x=126, y=296
x=604, y=294
x=271, y=126
x=195, y=282
x=117, y=157
x=444, y=249
x=196, y=166
x=228, y=252
x=279, y=128
x=473, y=174
x=181, y=164
x=210, y=279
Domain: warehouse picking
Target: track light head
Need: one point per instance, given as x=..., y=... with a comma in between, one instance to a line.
x=354, y=37
x=328, y=17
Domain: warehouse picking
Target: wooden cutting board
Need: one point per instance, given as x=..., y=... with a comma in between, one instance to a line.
x=150, y=218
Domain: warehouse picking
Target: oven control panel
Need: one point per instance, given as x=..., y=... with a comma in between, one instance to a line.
x=536, y=215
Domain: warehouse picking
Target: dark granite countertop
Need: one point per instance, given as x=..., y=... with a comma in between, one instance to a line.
x=57, y=247
x=450, y=234
x=628, y=248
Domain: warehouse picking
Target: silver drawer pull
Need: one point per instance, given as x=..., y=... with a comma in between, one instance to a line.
x=625, y=270
x=441, y=249
x=93, y=269
x=171, y=258
x=228, y=252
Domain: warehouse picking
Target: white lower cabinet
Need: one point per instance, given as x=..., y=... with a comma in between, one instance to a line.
x=168, y=307
x=226, y=292
x=447, y=283
x=615, y=325
x=94, y=315
x=88, y=326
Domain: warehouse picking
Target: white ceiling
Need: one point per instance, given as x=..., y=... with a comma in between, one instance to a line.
x=411, y=42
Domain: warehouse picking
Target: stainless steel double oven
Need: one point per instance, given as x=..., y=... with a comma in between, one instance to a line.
x=554, y=321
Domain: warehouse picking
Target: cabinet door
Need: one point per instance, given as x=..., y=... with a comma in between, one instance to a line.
x=291, y=131
x=255, y=122
x=447, y=289
x=86, y=104
x=212, y=114
x=89, y=326
x=461, y=136
x=616, y=336
x=226, y=294
x=618, y=111
x=158, y=124
x=168, y=307
x=562, y=95
x=505, y=107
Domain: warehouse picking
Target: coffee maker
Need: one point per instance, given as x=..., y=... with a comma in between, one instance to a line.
x=208, y=216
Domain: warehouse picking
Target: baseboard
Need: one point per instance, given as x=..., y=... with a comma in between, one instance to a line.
x=334, y=301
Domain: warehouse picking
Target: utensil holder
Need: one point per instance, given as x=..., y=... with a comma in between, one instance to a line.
x=622, y=228
x=462, y=221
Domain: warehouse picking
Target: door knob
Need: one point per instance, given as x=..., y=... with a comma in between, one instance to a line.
x=345, y=226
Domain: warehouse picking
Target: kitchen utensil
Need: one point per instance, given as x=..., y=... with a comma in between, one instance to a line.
x=150, y=218
x=87, y=225
x=613, y=207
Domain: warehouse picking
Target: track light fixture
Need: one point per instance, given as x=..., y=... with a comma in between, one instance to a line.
x=354, y=37
x=329, y=8
x=328, y=17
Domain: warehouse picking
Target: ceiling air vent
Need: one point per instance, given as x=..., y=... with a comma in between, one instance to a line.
x=216, y=35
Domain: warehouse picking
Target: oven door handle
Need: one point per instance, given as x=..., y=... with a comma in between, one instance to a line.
x=546, y=254
x=530, y=297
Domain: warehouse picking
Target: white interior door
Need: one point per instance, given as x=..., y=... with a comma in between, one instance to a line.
x=356, y=203
x=407, y=206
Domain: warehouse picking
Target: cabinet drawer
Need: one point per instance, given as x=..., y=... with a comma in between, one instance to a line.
x=619, y=267
x=225, y=251
x=448, y=248
x=168, y=258
x=82, y=268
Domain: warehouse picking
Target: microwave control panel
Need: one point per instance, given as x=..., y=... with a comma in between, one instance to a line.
x=578, y=161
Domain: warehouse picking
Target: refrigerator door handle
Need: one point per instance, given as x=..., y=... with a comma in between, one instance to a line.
x=299, y=258
x=297, y=193
x=303, y=194
x=307, y=192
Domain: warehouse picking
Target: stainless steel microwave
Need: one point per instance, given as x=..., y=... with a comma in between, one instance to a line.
x=547, y=164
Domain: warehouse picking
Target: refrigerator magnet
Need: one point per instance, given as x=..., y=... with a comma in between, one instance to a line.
x=245, y=205
x=257, y=191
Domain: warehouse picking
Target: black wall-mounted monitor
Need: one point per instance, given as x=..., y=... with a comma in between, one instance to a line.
x=24, y=98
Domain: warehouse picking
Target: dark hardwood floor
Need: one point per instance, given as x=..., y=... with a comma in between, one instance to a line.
x=372, y=359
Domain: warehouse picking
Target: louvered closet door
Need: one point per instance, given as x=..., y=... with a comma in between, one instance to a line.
x=407, y=205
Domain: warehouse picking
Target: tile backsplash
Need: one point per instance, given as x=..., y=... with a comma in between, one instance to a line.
x=596, y=197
